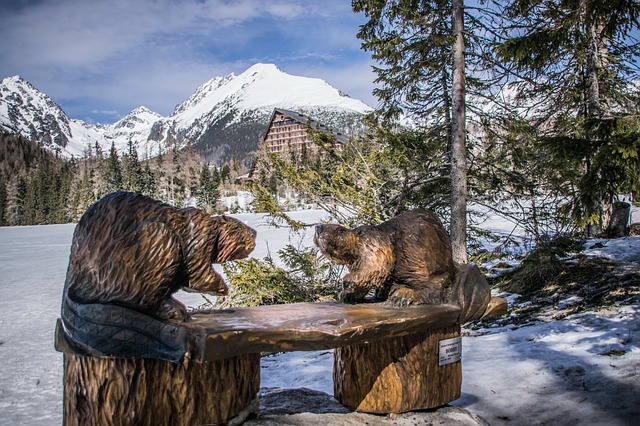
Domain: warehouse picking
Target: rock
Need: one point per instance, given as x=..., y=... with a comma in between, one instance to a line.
x=305, y=407
x=278, y=401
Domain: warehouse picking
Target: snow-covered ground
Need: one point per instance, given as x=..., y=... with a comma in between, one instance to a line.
x=584, y=369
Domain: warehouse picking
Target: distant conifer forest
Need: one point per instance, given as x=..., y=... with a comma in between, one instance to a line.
x=37, y=187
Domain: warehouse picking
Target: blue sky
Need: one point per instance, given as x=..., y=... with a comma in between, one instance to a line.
x=99, y=59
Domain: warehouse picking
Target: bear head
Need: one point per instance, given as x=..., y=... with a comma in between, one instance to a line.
x=214, y=239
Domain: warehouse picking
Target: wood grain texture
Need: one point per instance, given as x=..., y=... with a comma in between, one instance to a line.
x=496, y=308
x=470, y=291
x=134, y=251
x=308, y=326
x=108, y=391
x=219, y=334
x=387, y=362
x=396, y=375
x=407, y=259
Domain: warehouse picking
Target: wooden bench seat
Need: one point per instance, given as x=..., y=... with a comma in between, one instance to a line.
x=386, y=361
x=307, y=326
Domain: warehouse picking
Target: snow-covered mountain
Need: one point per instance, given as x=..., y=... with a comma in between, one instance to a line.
x=27, y=111
x=228, y=114
x=225, y=115
x=135, y=127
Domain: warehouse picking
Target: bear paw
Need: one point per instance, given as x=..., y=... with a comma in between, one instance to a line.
x=402, y=297
x=352, y=292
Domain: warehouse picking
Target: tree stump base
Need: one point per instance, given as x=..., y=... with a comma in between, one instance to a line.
x=398, y=374
x=114, y=391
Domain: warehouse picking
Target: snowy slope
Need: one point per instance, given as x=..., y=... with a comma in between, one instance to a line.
x=224, y=115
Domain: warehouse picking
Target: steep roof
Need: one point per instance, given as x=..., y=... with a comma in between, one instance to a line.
x=339, y=137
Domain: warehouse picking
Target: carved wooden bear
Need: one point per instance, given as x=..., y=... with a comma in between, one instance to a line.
x=405, y=260
x=132, y=251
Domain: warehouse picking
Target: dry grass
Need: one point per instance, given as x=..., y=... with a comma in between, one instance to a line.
x=598, y=281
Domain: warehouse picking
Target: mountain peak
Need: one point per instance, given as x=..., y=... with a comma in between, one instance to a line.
x=13, y=79
x=143, y=110
x=140, y=109
x=140, y=118
x=31, y=113
x=17, y=83
x=224, y=115
x=262, y=69
x=264, y=86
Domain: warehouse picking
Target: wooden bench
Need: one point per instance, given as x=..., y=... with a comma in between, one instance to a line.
x=387, y=360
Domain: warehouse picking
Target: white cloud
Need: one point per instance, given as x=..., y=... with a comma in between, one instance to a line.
x=119, y=54
x=105, y=112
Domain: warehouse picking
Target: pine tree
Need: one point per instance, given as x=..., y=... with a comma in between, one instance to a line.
x=207, y=193
x=420, y=48
x=133, y=175
x=85, y=195
x=575, y=64
x=16, y=189
x=225, y=173
x=149, y=181
x=215, y=175
x=61, y=212
x=97, y=151
x=3, y=198
x=176, y=184
x=113, y=171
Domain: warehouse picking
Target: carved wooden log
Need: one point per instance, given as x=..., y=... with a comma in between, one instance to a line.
x=111, y=391
x=388, y=362
x=398, y=374
x=496, y=308
x=471, y=292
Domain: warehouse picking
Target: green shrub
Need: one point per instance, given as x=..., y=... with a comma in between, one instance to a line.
x=308, y=278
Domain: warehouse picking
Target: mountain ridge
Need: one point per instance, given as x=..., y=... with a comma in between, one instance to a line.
x=224, y=117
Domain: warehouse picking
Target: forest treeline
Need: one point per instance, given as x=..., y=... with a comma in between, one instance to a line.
x=527, y=108
x=37, y=187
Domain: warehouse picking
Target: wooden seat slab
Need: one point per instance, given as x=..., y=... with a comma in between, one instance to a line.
x=225, y=333
x=386, y=360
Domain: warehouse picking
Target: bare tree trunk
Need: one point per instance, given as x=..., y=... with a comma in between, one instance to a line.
x=593, y=104
x=594, y=107
x=458, y=140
